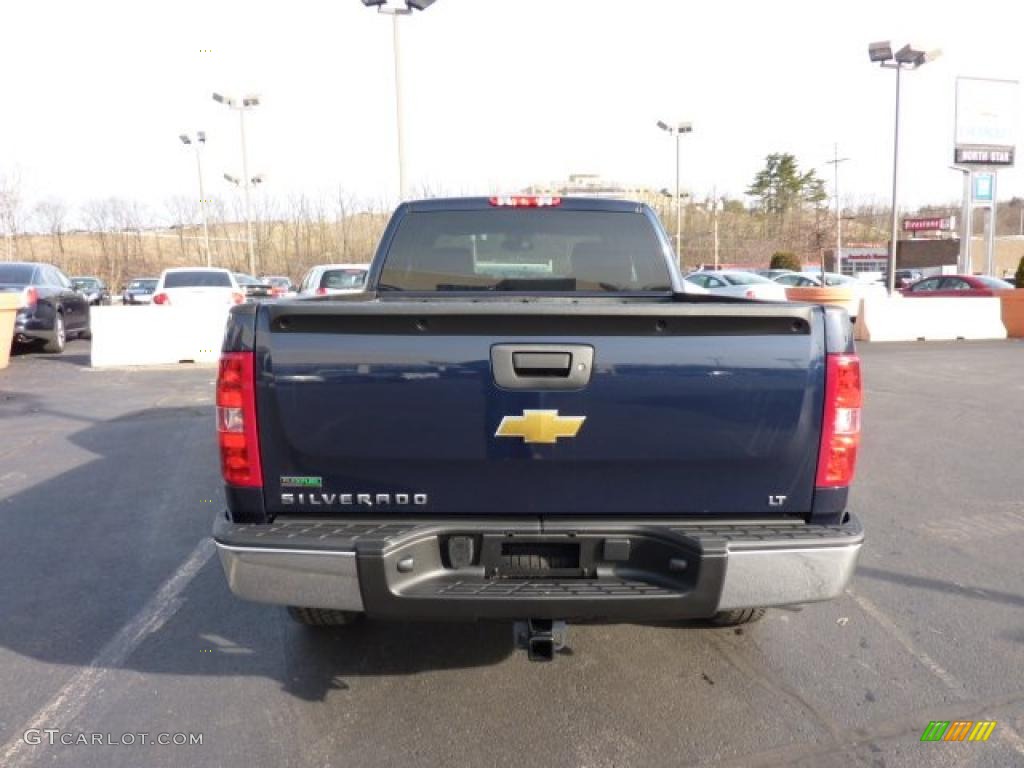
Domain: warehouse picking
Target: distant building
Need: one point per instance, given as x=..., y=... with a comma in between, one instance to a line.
x=592, y=185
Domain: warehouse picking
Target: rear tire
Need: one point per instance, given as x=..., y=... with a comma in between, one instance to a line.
x=737, y=617
x=55, y=344
x=323, y=617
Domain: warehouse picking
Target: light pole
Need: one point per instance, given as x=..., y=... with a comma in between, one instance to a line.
x=242, y=106
x=677, y=130
x=394, y=10
x=905, y=58
x=834, y=162
x=200, y=141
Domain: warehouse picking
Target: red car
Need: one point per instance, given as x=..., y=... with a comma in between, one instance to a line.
x=956, y=286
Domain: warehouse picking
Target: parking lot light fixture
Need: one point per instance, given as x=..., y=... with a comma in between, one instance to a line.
x=247, y=102
x=395, y=9
x=907, y=57
x=676, y=130
x=197, y=144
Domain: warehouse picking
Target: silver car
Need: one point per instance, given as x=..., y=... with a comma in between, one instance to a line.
x=744, y=285
x=331, y=279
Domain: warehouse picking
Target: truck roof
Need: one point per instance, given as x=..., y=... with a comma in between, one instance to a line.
x=482, y=203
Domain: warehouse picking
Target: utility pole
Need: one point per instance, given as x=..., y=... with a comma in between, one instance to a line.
x=834, y=162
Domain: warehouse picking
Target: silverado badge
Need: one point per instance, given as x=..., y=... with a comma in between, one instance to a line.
x=540, y=426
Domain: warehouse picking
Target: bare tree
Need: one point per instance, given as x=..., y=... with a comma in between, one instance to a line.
x=11, y=205
x=52, y=215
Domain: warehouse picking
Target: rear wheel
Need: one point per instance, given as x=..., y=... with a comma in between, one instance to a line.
x=736, y=617
x=55, y=344
x=323, y=617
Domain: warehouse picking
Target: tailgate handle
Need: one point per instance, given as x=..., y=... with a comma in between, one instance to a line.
x=541, y=363
x=542, y=366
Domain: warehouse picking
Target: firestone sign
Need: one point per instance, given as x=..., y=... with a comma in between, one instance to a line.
x=932, y=224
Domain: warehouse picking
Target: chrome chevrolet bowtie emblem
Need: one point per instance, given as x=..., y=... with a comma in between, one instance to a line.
x=540, y=426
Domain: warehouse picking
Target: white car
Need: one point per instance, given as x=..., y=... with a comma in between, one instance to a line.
x=832, y=280
x=197, y=287
x=745, y=285
x=331, y=279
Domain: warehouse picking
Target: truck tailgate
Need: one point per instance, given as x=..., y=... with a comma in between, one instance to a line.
x=689, y=409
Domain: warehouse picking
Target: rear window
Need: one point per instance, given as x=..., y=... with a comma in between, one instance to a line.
x=197, y=280
x=995, y=284
x=142, y=285
x=16, y=273
x=343, y=279
x=508, y=249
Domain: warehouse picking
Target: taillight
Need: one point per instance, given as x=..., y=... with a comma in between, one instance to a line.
x=840, y=435
x=236, y=420
x=321, y=291
x=526, y=201
x=238, y=298
x=750, y=294
x=29, y=298
x=161, y=298
x=275, y=291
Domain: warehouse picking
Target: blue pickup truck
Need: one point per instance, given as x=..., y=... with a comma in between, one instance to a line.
x=527, y=416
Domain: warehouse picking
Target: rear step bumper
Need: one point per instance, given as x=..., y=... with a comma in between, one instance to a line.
x=625, y=571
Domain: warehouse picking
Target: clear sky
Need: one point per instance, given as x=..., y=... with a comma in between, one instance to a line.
x=499, y=93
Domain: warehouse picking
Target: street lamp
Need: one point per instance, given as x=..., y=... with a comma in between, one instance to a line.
x=677, y=130
x=905, y=58
x=200, y=141
x=395, y=10
x=241, y=106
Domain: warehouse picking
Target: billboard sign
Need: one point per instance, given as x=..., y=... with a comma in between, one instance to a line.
x=986, y=121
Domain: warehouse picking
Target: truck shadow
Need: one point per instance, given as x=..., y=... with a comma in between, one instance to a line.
x=84, y=551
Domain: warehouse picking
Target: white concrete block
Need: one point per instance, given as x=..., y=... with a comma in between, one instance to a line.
x=155, y=335
x=901, y=319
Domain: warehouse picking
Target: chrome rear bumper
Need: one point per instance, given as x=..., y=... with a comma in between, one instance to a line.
x=726, y=567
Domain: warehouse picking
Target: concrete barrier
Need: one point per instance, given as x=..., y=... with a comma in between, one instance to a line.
x=154, y=335
x=8, y=310
x=1012, y=303
x=900, y=319
x=839, y=296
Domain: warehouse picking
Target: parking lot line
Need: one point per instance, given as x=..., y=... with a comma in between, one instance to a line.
x=69, y=701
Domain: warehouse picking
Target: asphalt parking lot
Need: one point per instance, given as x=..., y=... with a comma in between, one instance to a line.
x=116, y=619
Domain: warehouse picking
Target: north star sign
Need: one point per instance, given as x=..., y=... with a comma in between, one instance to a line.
x=983, y=156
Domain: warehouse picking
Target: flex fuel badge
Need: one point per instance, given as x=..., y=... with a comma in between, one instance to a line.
x=301, y=481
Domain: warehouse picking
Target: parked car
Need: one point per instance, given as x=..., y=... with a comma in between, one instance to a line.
x=583, y=465
x=140, y=291
x=253, y=287
x=906, y=277
x=771, y=274
x=197, y=286
x=94, y=290
x=279, y=285
x=50, y=311
x=329, y=279
x=797, y=280
x=956, y=286
x=736, y=283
